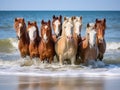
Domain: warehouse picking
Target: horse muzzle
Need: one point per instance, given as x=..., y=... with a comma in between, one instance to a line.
x=18, y=37
x=69, y=37
x=100, y=40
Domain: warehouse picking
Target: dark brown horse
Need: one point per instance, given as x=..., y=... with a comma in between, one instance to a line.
x=100, y=27
x=46, y=46
x=34, y=39
x=23, y=44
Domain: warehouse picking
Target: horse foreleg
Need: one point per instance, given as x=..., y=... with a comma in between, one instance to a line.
x=60, y=60
x=73, y=60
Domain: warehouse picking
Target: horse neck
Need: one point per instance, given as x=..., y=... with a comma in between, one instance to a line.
x=37, y=39
x=61, y=29
x=24, y=37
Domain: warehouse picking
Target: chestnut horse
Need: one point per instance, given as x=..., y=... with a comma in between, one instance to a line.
x=66, y=47
x=23, y=44
x=88, y=48
x=57, y=25
x=33, y=32
x=46, y=46
x=100, y=27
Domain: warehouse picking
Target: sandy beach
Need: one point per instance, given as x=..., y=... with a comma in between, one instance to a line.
x=58, y=83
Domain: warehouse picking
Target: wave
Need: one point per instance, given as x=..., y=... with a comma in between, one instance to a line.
x=113, y=45
x=55, y=70
x=8, y=45
x=13, y=43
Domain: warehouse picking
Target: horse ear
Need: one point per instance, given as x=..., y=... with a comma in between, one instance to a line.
x=104, y=20
x=42, y=22
x=80, y=17
x=28, y=22
x=65, y=18
x=88, y=25
x=35, y=22
x=15, y=19
x=96, y=20
x=72, y=18
x=49, y=22
x=23, y=19
x=60, y=17
x=53, y=16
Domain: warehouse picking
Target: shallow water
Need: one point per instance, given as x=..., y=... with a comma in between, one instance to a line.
x=12, y=64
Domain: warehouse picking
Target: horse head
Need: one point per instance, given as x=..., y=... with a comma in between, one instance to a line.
x=57, y=25
x=77, y=21
x=100, y=27
x=32, y=30
x=20, y=26
x=46, y=32
x=68, y=28
x=91, y=34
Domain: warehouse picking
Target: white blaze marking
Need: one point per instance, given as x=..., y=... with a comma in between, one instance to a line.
x=45, y=37
x=20, y=25
x=68, y=29
x=92, y=38
x=77, y=27
x=46, y=26
x=32, y=33
x=18, y=33
x=57, y=23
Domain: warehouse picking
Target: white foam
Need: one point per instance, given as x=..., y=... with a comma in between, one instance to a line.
x=113, y=45
x=55, y=70
x=14, y=42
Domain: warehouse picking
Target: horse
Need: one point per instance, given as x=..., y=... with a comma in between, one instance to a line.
x=88, y=49
x=66, y=47
x=100, y=26
x=77, y=22
x=33, y=32
x=22, y=35
x=46, y=46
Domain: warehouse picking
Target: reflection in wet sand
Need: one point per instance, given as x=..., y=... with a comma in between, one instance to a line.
x=8, y=82
x=60, y=83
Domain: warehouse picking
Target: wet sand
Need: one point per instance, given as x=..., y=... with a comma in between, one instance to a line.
x=8, y=82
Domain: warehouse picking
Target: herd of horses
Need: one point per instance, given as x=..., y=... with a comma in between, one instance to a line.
x=66, y=43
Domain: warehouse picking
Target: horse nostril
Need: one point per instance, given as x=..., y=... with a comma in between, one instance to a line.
x=100, y=40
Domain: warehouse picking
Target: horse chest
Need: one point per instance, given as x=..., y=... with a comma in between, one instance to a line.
x=68, y=53
x=92, y=53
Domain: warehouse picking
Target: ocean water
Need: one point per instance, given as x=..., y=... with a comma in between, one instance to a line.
x=12, y=64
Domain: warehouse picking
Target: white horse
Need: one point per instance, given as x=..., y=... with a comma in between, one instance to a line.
x=66, y=45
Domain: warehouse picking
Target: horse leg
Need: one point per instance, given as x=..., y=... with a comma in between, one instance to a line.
x=57, y=57
x=60, y=60
x=100, y=57
x=73, y=60
x=50, y=59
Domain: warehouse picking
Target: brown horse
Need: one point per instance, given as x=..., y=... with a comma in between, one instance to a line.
x=88, y=49
x=57, y=25
x=23, y=44
x=33, y=32
x=46, y=46
x=100, y=27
